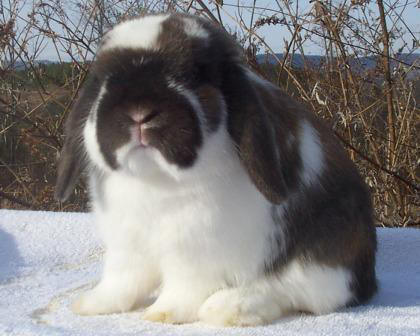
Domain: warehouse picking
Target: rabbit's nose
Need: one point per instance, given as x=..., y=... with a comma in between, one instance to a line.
x=142, y=120
x=142, y=135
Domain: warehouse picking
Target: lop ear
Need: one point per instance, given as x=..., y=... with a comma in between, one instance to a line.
x=257, y=129
x=72, y=158
x=70, y=167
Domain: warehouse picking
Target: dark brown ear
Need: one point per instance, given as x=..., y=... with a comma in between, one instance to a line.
x=257, y=133
x=72, y=158
x=70, y=166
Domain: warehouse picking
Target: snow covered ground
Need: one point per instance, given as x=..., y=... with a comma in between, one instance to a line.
x=46, y=259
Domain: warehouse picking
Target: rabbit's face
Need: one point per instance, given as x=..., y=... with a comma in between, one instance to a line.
x=155, y=106
x=160, y=87
x=142, y=114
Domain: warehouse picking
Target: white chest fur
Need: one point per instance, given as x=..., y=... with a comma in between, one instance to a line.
x=216, y=222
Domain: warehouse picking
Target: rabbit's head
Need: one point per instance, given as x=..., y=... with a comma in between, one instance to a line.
x=159, y=87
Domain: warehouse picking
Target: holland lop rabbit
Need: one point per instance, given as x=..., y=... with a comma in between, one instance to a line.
x=211, y=185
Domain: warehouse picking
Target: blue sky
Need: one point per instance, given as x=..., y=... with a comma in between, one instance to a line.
x=275, y=36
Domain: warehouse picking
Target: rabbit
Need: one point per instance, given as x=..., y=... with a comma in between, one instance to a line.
x=210, y=186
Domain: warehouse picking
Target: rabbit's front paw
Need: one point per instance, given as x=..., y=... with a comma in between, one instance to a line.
x=227, y=308
x=88, y=304
x=168, y=314
x=95, y=302
x=174, y=309
x=160, y=316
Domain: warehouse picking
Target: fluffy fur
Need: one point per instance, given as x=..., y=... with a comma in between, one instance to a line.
x=211, y=185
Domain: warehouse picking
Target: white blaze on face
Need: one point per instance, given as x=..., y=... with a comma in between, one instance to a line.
x=90, y=135
x=138, y=33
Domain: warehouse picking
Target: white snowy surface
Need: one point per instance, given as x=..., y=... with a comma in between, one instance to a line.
x=46, y=259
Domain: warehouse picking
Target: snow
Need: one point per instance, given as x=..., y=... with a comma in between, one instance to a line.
x=47, y=259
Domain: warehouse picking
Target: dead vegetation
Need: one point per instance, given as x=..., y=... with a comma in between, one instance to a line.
x=373, y=109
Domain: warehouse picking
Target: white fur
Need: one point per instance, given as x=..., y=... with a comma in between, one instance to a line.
x=301, y=287
x=194, y=29
x=311, y=153
x=146, y=163
x=137, y=33
x=192, y=236
x=315, y=288
x=90, y=134
x=193, y=231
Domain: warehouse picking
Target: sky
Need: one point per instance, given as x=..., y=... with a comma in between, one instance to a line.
x=274, y=36
x=277, y=36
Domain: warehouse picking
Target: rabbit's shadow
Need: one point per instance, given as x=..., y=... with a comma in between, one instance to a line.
x=10, y=258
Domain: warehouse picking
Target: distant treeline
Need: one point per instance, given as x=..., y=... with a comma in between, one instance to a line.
x=47, y=74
